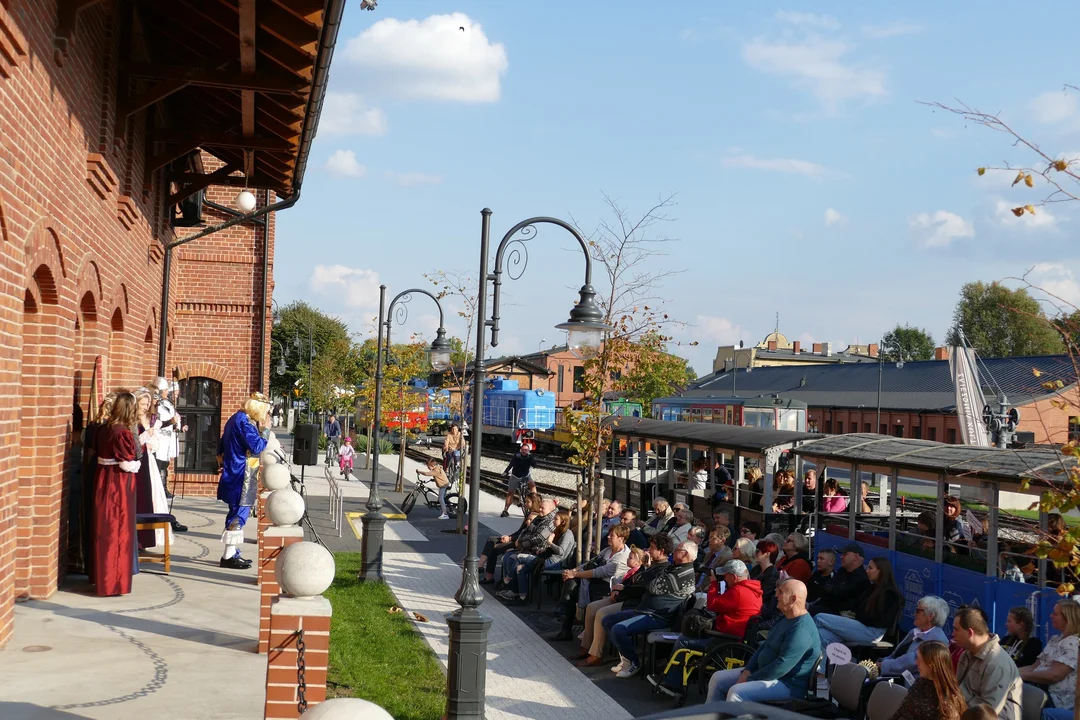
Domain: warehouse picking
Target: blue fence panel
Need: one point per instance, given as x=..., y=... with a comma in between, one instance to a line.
x=828, y=541
x=918, y=577
x=1009, y=594
x=1049, y=599
x=967, y=587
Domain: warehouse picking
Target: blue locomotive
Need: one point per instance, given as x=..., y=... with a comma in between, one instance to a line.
x=507, y=408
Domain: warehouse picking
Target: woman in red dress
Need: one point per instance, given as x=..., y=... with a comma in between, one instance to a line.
x=114, y=500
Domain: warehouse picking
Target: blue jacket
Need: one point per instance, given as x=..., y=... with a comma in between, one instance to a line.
x=788, y=654
x=897, y=664
x=239, y=438
x=333, y=429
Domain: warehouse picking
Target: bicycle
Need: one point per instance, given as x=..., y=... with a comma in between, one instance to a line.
x=521, y=493
x=331, y=452
x=426, y=485
x=452, y=465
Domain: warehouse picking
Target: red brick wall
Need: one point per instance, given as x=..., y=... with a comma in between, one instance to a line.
x=80, y=276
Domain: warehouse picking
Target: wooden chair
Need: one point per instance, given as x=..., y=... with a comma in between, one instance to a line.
x=155, y=521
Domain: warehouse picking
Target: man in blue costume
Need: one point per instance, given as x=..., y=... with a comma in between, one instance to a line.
x=238, y=452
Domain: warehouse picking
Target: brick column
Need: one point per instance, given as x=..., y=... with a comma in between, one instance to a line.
x=288, y=616
x=274, y=540
x=263, y=524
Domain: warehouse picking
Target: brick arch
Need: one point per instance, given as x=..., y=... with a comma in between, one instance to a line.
x=3, y=222
x=88, y=279
x=48, y=287
x=43, y=246
x=202, y=369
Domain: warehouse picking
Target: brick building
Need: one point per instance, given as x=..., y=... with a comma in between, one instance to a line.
x=776, y=350
x=916, y=399
x=112, y=112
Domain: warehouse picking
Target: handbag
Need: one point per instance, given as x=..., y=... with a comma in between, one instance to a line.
x=696, y=623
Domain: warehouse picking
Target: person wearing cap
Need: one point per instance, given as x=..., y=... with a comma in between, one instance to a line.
x=740, y=601
x=848, y=584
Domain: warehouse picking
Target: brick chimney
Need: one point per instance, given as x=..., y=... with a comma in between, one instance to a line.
x=873, y=350
x=817, y=348
x=826, y=348
x=796, y=347
x=941, y=353
x=772, y=346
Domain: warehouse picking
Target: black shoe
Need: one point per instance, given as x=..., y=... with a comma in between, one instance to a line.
x=487, y=581
x=561, y=636
x=505, y=513
x=235, y=563
x=178, y=526
x=559, y=609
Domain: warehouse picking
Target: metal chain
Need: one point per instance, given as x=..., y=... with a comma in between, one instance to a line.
x=301, y=684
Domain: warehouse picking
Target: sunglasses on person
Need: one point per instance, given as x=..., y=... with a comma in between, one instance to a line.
x=745, y=531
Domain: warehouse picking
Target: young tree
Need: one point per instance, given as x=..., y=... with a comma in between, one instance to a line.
x=299, y=328
x=653, y=372
x=907, y=342
x=627, y=248
x=1000, y=322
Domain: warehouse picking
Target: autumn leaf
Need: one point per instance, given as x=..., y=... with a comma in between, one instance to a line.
x=1060, y=165
x=1028, y=181
x=1018, y=211
x=1036, y=372
x=981, y=171
x=1019, y=177
x=1030, y=209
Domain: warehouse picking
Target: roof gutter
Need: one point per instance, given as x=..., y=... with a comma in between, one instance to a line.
x=333, y=13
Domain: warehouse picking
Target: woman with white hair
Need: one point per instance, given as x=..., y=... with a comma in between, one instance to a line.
x=930, y=616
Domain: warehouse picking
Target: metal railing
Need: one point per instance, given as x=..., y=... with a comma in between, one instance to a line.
x=336, y=499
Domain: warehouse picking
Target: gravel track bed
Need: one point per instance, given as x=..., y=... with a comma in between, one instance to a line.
x=540, y=475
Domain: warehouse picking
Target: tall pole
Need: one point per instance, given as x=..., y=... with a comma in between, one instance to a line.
x=880, y=366
x=467, y=659
x=373, y=520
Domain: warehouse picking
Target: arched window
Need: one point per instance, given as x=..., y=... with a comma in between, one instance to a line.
x=199, y=405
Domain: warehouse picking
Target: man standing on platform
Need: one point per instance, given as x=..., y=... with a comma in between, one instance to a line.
x=238, y=453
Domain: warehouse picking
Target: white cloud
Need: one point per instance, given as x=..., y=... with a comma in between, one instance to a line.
x=817, y=66
x=1052, y=108
x=784, y=165
x=824, y=22
x=411, y=179
x=1041, y=219
x=442, y=57
x=880, y=32
x=942, y=228
x=343, y=162
x=834, y=217
x=354, y=288
x=1058, y=283
x=717, y=329
x=347, y=114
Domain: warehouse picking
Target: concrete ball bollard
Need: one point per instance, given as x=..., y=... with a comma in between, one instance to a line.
x=276, y=477
x=347, y=709
x=266, y=459
x=285, y=507
x=304, y=569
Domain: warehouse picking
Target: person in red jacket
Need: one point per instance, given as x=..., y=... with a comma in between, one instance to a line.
x=795, y=561
x=740, y=601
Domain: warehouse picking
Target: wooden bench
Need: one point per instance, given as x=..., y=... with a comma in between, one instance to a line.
x=155, y=521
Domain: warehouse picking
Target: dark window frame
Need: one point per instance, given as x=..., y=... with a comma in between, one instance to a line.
x=199, y=404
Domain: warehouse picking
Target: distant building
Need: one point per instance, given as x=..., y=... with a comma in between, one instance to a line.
x=776, y=350
x=916, y=401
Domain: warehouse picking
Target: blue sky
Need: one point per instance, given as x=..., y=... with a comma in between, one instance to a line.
x=810, y=181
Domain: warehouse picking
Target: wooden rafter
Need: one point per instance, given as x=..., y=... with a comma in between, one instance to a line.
x=247, y=68
x=256, y=181
x=207, y=76
x=283, y=25
x=204, y=181
x=175, y=152
x=310, y=11
x=224, y=139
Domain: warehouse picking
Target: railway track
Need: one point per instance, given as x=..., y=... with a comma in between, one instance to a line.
x=495, y=484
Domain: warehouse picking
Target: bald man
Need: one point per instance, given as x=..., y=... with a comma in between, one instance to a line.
x=783, y=665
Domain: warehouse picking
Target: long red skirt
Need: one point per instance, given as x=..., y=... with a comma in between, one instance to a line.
x=114, y=530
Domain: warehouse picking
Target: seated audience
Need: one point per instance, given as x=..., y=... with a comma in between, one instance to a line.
x=638, y=539
x=661, y=515
x=718, y=554
x=750, y=530
x=594, y=636
x=876, y=610
x=849, y=582
x=745, y=550
x=782, y=666
x=811, y=497
x=496, y=545
x=935, y=695
x=1056, y=665
x=823, y=574
x=832, y=501
x=985, y=672
x=608, y=568
x=1020, y=642
x=684, y=520
x=740, y=601
x=764, y=571
x=795, y=561
x=560, y=544
x=530, y=542
x=699, y=477
x=931, y=614
x=663, y=597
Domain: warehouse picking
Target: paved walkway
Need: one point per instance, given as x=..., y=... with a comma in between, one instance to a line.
x=179, y=646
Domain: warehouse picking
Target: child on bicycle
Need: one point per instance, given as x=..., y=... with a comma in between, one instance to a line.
x=435, y=470
x=345, y=456
x=453, y=444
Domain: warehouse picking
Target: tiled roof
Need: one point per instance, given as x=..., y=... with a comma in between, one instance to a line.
x=919, y=385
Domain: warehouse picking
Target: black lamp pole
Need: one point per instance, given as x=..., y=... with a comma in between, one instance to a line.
x=373, y=521
x=467, y=659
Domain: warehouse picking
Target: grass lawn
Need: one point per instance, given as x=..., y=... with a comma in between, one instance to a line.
x=377, y=656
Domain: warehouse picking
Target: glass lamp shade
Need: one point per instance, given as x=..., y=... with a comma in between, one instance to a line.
x=245, y=201
x=585, y=341
x=440, y=360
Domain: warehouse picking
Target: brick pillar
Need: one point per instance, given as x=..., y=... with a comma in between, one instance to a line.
x=287, y=617
x=263, y=524
x=274, y=539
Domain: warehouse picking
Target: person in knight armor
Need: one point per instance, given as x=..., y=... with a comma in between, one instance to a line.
x=238, y=452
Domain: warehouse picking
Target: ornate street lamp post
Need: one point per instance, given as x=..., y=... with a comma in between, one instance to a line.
x=439, y=358
x=467, y=659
